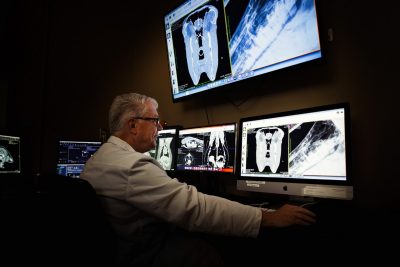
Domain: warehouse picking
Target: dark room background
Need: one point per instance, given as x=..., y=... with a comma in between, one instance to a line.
x=62, y=62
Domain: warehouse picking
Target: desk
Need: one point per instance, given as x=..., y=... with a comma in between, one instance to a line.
x=343, y=231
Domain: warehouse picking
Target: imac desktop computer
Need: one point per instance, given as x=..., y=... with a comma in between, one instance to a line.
x=301, y=153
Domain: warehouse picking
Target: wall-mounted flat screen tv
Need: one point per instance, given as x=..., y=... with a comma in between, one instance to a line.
x=212, y=43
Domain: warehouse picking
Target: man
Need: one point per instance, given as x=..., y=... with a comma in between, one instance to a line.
x=147, y=208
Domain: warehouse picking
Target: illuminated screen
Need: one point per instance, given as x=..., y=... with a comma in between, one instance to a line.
x=10, y=154
x=165, y=150
x=214, y=43
x=303, y=152
x=209, y=148
x=72, y=156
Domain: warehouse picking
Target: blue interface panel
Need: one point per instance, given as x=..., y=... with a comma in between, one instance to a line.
x=72, y=156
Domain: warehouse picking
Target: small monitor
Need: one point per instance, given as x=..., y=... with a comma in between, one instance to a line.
x=72, y=156
x=10, y=154
x=213, y=43
x=165, y=150
x=207, y=149
x=302, y=153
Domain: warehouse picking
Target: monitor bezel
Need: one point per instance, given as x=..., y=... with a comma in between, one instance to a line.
x=234, y=124
x=318, y=188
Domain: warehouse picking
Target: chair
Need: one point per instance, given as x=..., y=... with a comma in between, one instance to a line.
x=54, y=220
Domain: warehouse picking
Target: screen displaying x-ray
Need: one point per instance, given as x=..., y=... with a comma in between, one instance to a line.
x=211, y=43
x=309, y=146
x=10, y=154
x=210, y=148
x=165, y=151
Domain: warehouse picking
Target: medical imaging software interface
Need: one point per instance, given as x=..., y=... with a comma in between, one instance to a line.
x=10, y=154
x=72, y=156
x=306, y=146
x=207, y=148
x=165, y=152
x=215, y=42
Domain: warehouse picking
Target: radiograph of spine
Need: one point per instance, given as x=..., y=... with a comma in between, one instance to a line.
x=5, y=157
x=200, y=35
x=217, y=151
x=320, y=151
x=164, y=153
x=273, y=31
x=269, y=148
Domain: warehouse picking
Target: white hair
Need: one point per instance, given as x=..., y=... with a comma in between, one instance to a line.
x=126, y=106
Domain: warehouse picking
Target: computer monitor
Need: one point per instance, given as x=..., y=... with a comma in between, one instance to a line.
x=10, y=154
x=207, y=148
x=165, y=150
x=214, y=43
x=72, y=156
x=301, y=153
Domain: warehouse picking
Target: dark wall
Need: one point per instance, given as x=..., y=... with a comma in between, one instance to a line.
x=70, y=58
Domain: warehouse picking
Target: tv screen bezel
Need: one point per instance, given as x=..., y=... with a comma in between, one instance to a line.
x=236, y=81
x=318, y=188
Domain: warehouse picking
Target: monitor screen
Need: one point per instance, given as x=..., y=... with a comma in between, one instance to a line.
x=208, y=148
x=10, y=154
x=165, y=150
x=212, y=43
x=72, y=156
x=302, y=153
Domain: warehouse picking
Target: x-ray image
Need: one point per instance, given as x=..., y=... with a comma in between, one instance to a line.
x=5, y=157
x=200, y=42
x=200, y=35
x=188, y=159
x=164, y=153
x=190, y=152
x=192, y=143
x=207, y=149
x=269, y=149
x=10, y=156
x=318, y=148
x=217, y=154
x=273, y=31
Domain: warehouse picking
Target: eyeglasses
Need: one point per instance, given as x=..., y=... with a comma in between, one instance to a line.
x=155, y=120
